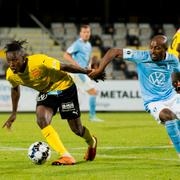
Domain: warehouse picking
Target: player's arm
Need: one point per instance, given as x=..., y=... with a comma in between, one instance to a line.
x=108, y=57
x=74, y=69
x=68, y=57
x=15, y=94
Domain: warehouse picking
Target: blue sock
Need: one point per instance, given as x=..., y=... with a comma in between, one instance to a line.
x=174, y=134
x=92, y=106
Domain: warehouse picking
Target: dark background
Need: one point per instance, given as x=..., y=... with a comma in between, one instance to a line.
x=15, y=12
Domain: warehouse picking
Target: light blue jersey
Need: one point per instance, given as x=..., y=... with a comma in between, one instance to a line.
x=154, y=77
x=81, y=52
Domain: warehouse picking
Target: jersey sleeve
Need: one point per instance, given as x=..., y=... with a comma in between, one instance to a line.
x=10, y=78
x=51, y=67
x=51, y=63
x=133, y=55
x=13, y=83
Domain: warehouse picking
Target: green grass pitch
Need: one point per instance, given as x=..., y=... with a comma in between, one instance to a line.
x=130, y=146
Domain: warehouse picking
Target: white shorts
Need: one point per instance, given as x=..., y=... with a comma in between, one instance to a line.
x=173, y=104
x=83, y=82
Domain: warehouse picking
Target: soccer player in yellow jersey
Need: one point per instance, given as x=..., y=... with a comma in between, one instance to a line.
x=57, y=91
x=174, y=48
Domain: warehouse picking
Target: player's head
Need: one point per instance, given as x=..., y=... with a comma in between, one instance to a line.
x=85, y=32
x=158, y=47
x=15, y=55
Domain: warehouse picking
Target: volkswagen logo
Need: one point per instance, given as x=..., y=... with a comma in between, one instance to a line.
x=157, y=79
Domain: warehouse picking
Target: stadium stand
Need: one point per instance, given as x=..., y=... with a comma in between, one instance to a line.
x=107, y=40
x=96, y=29
x=105, y=36
x=169, y=30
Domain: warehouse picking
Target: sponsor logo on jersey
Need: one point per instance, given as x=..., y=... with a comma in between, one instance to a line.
x=157, y=79
x=129, y=52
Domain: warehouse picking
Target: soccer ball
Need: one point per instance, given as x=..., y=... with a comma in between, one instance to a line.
x=39, y=152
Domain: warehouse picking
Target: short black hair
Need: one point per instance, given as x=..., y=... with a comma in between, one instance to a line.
x=15, y=46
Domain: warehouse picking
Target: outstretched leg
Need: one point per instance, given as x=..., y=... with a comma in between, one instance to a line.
x=82, y=131
x=170, y=120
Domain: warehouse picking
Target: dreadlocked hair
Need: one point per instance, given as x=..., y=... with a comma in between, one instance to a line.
x=15, y=46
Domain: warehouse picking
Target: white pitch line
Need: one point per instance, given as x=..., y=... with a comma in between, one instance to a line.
x=105, y=147
x=110, y=156
x=129, y=147
x=132, y=157
x=12, y=149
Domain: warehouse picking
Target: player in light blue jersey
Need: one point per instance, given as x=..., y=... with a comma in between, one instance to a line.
x=79, y=53
x=155, y=67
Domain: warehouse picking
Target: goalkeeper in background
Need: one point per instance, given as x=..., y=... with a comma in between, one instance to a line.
x=79, y=54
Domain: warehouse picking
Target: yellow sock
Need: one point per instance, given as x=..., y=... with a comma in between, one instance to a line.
x=53, y=140
x=88, y=137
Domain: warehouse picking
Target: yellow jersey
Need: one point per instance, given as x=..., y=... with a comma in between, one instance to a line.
x=42, y=73
x=173, y=47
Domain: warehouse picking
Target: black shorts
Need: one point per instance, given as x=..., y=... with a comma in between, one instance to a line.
x=66, y=102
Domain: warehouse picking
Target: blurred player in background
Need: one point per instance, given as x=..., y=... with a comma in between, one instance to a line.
x=154, y=67
x=79, y=54
x=57, y=91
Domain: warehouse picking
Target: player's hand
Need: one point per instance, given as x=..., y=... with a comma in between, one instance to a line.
x=9, y=122
x=88, y=70
x=93, y=73
x=97, y=75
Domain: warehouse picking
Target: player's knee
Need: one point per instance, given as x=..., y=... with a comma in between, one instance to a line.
x=166, y=115
x=44, y=116
x=42, y=121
